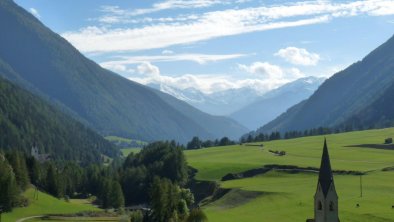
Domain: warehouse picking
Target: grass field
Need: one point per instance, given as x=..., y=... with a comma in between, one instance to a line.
x=125, y=140
x=128, y=145
x=47, y=204
x=127, y=151
x=279, y=196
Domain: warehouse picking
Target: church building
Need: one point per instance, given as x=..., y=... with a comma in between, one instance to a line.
x=326, y=198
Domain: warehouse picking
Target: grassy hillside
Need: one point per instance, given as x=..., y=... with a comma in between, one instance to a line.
x=281, y=196
x=127, y=151
x=47, y=204
x=289, y=197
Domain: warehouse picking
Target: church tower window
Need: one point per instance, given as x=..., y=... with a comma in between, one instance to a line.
x=319, y=206
x=332, y=206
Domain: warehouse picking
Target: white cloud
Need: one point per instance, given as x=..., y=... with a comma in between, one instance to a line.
x=146, y=73
x=264, y=69
x=214, y=24
x=211, y=83
x=298, y=56
x=146, y=68
x=168, y=57
x=35, y=12
x=164, y=5
x=271, y=72
x=96, y=39
x=295, y=73
x=265, y=77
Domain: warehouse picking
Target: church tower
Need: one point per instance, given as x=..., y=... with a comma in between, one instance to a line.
x=326, y=198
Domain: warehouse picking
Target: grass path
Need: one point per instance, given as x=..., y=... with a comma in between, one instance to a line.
x=29, y=218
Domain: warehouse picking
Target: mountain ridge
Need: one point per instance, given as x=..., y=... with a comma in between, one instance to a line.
x=340, y=98
x=109, y=103
x=221, y=103
x=275, y=102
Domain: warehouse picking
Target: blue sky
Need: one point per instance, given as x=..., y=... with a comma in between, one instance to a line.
x=214, y=45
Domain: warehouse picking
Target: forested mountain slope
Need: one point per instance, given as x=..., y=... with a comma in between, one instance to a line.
x=357, y=97
x=112, y=105
x=27, y=120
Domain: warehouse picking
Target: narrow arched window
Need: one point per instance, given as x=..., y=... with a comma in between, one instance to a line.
x=319, y=206
x=332, y=206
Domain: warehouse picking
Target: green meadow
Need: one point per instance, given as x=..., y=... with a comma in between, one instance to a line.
x=125, y=140
x=282, y=196
x=47, y=204
x=127, y=151
x=130, y=148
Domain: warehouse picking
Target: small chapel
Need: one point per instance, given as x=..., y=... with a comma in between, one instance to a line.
x=326, y=197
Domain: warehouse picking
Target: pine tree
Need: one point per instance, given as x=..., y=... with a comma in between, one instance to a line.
x=52, y=182
x=105, y=193
x=8, y=189
x=165, y=198
x=34, y=171
x=116, y=197
x=18, y=163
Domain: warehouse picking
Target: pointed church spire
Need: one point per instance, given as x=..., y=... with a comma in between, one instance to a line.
x=325, y=174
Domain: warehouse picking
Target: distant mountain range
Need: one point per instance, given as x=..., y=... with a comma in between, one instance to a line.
x=221, y=103
x=358, y=97
x=248, y=106
x=43, y=62
x=272, y=104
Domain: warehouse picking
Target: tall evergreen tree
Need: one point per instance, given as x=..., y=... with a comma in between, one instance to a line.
x=195, y=143
x=105, y=194
x=34, y=169
x=8, y=185
x=164, y=200
x=18, y=163
x=116, y=197
x=52, y=181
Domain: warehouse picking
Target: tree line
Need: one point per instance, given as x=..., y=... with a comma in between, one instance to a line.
x=156, y=177
x=261, y=137
x=197, y=143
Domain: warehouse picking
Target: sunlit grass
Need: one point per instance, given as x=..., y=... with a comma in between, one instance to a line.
x=289, y=197
x=47, y=204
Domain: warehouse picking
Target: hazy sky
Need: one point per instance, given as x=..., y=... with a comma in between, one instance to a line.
x=213, y=45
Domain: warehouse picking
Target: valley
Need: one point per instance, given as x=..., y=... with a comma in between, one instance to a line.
x=291, y=191
x=196, y=111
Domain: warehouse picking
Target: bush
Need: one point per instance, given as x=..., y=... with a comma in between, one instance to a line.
x=136, y=216
x=388, y=141
x=22, y=201
x=125, y=218
x=277, y=152
x=197, y=215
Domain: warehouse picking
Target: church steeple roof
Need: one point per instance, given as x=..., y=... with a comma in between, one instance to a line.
x=325, y=174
